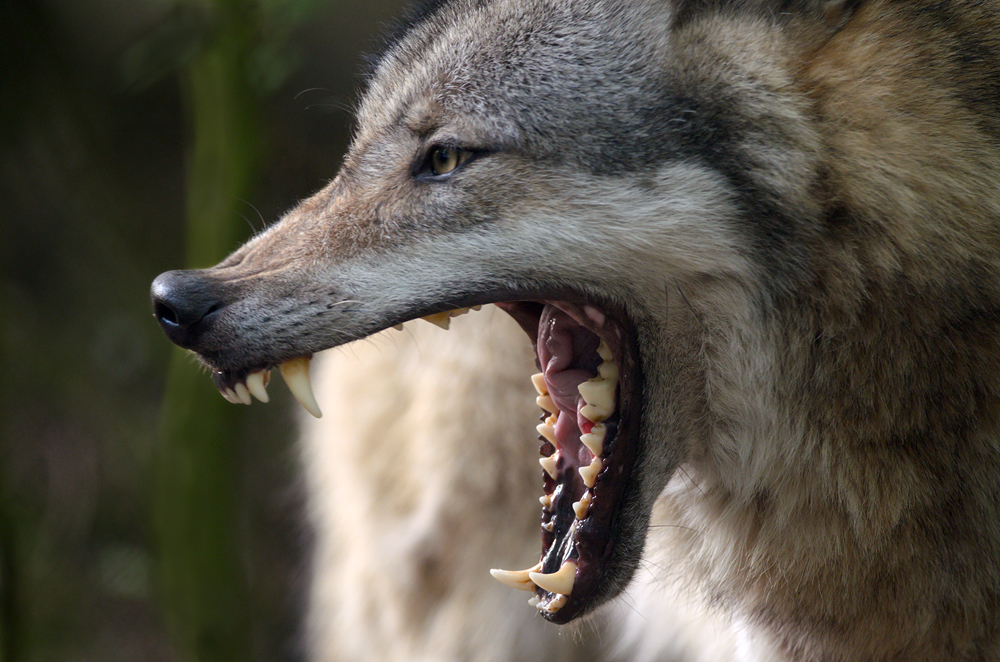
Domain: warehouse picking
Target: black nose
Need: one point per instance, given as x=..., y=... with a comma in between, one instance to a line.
x=182, y=300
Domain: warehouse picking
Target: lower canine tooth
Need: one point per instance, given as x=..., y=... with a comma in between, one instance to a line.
x=256, y=383
x=296, y=374
x=560, y=581
x=518, y=579
x=549, y=464
x=589, y=472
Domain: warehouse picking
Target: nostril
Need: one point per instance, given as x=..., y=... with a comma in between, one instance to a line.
x=181, y=302
x=165, y=314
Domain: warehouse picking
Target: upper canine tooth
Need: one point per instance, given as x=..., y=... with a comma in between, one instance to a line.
x=549, y=464
x=589, y=472
x=257, y=384
x=560, y=581
x=296, y=374
x=440, y=319
x=518, y=579
x=538, y=379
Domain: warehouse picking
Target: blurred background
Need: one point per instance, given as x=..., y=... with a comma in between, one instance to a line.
x=141, y=516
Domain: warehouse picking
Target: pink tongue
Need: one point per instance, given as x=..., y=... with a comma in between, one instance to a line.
x=555, y=354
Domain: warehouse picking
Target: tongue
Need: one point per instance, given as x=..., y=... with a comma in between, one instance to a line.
x=566, y=351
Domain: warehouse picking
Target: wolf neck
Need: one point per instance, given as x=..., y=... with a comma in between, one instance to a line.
x=815, y=494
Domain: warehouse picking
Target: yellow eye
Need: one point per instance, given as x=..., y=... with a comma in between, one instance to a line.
x=444, y=160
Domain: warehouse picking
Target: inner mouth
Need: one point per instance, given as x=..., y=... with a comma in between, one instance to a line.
x=585, y=389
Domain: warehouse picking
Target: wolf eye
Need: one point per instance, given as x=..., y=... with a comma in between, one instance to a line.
x=444, y=160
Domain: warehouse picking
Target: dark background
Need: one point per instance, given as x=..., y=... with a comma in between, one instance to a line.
x=141, y=516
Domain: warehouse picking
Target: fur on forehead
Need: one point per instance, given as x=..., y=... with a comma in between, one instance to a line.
x=476, y=55
x=485, y=60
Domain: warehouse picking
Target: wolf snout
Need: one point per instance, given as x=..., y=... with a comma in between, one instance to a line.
x=182, y=300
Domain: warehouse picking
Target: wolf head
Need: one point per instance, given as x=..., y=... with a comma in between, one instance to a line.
x=649, y=188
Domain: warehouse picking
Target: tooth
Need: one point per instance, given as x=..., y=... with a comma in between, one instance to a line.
x=549, y=464
x=478, y=308
x=594, y=440
x=533, y=601
x=582, y=507
x=549, y=432
x=589, y=472
x=604, y=351
x=560, y=581
x=230, y=394
x=608, y=370
x=555, y=604
x=296, y=374
x=440, y=319
x=545, y=402
x=397, y=327
x=599, y=394
x=518, y=579
x=549, y=526
x=546, y=501
x=256, y=382
x=538, y=380
x=458, y=311
x=243, y=394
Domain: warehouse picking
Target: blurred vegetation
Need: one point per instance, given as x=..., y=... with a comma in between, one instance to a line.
x=141, y=516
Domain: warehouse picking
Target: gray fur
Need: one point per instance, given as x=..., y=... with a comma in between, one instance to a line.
x=794, y=205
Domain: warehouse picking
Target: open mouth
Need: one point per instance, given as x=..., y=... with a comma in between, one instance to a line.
x=588, y=390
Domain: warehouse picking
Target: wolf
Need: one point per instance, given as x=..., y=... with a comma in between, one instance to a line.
x=755, y=245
